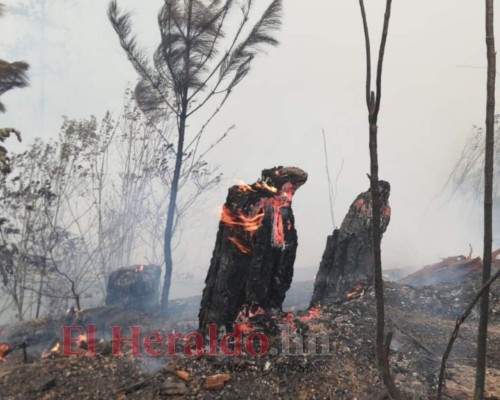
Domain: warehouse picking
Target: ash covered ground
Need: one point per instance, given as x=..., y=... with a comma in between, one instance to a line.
x=421, y=320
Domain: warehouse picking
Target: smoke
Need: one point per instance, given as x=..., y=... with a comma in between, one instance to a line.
x=313, y=81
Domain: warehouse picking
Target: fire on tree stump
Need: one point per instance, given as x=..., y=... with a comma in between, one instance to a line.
x=252, y=262
x=347, y=266
x=135, y=288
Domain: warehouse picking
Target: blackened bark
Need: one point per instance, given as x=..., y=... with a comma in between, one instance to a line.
x=348, y=257
x=135, y=288
x=254, y=254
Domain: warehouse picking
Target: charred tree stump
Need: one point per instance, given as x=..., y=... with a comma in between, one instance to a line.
x=347, y=261
x=135, y=288
x=252, y=262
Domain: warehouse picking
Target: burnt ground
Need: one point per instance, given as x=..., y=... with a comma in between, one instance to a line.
x=421, y=319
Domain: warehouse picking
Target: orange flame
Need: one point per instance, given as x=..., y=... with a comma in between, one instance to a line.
x=288, y=319
x=262, y=185
x=82, y=339
x=311, y=314
x=265, y=186
x=4, y=350
x=249, y=312
x=140, y=268
x=249, y=224
x=56, y=348
x=257, y=312
x=245, y=329
x=243, y=187
x=279, y=234
x=358, y=291
x=241, y=247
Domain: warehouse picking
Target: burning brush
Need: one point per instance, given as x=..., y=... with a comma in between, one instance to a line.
x=140, y=268
x=4, y=350
x=253, y=317
x=358, y=291
x=55, y=349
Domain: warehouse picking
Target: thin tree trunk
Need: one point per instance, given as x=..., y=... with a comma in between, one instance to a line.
x=39, y=299
x=373, y=104
x=172, y=205
x=488, y=202
x=169, y=229
x=382, y=342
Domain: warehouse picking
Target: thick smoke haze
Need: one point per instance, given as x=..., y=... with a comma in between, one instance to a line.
x=314, y=80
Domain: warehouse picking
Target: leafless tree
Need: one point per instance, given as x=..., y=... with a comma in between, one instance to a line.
x=467, y=175
x=373, y=104
x=24, y=197
x=71, y=211
x=488, y=201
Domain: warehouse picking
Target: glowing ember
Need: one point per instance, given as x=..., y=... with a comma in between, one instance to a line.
x=312, y=313
x=387, y=212
x=4, y=350
x=284, y=199
x=82, y=339
x=256, y=312
x=254, y=317
x=263, y=185
x=288, y=318
x=249, y=224
x=249, y=312
x=243, y=187
x=357, y=292
x=246, y=328
x=140, y=268
x=55, y=349
x=241, y=247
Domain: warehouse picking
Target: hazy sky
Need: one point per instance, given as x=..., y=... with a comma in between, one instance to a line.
x=313, y=81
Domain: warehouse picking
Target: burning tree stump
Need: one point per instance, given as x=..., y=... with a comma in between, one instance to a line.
x=252, y=263
x=347, y=262
x=135, y=288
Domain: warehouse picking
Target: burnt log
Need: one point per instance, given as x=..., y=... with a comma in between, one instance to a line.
x=135, y=288
x=254, y=254
x=348, y=259
x=451, y=269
